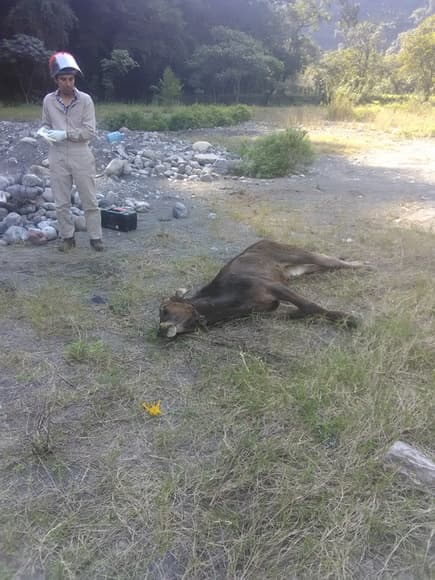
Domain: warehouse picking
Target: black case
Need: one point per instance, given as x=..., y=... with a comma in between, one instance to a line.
x=119, y=218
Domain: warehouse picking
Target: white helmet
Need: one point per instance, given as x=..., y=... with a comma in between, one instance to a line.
x=63, y=63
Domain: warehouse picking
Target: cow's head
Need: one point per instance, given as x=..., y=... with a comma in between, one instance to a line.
x=178, y=316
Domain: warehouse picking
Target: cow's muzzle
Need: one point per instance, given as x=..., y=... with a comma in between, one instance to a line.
x=167, y=329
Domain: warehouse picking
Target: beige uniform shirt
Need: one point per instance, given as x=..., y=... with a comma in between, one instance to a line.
x=78, y=120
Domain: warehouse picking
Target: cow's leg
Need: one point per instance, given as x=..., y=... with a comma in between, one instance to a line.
x=308, y=308
x=321, y=263
x=330, y=263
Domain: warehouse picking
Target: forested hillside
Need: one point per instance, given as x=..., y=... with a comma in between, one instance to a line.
x=397, y=16
x=226, y=51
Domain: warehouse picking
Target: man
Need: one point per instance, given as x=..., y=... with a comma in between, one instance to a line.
x=68, y=123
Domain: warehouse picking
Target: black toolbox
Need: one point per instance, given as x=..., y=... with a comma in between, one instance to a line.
x=123, y=219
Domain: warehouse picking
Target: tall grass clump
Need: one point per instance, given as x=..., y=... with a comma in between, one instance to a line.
x=275, y=155
x=340, y=109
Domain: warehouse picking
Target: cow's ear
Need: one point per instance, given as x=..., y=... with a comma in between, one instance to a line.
x=180, y=293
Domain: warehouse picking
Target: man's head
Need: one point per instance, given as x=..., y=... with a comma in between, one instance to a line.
x=63, y=64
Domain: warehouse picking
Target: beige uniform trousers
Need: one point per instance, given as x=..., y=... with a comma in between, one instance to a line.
x=70, y=163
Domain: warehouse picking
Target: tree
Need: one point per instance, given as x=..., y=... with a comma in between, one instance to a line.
x=170, y=88
x=356, y=69
x=49, y=20
x=417, y=56
x=26, y=57
x=235, y=59
x=113, y=69
x=153, y=32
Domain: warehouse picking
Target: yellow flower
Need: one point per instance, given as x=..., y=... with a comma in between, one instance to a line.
x=152, y=409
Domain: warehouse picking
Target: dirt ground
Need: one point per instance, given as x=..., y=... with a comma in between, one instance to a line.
x=394, y=183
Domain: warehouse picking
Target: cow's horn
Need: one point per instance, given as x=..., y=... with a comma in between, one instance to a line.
x=180, y=292
x=168, y=329
x=172, y=331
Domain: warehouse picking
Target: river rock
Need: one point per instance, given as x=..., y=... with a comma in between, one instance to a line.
x=13, y=219
x=201, y=146
x=32, y=180
x=179, y=210
x=15, y=235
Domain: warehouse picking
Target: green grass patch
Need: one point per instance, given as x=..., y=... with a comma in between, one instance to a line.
x=84, y=351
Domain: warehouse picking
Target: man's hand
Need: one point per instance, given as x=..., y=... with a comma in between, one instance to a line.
x=43, y=132
x=55, y=136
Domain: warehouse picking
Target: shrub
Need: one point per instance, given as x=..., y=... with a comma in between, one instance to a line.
x=179, y=118
x=184, y=118
x=276, y=155
x=240, y=113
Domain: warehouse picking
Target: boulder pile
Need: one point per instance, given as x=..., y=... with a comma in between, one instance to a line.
x=27, y=208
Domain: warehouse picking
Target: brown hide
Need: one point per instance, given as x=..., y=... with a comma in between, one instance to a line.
x=256, y=280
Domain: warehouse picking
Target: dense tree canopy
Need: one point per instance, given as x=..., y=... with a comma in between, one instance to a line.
x=215, y=50
x=156, y=34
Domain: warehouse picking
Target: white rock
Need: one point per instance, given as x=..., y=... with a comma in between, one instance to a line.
x=201, y=146
x=80, y=223
x=116, y=167
x=50, y=233
x=412, y=464
x=142, y=206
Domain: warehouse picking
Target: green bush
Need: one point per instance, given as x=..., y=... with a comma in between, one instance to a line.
x=114, y=121
x=155, y=122
x=184, y=119
x=178, y=118
x=276, y=155
x=240, y=113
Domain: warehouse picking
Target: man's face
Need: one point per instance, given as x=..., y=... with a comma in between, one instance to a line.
x=65, y=84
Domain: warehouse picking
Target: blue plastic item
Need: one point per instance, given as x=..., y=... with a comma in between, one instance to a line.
x=114, y=137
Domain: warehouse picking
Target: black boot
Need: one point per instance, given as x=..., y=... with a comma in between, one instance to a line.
x=66, y=245
x=97, y=245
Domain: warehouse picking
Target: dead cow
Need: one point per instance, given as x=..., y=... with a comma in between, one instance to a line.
x=254, y=281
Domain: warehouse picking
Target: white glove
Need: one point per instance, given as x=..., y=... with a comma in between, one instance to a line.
x=56, y=136
x=43, y=132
